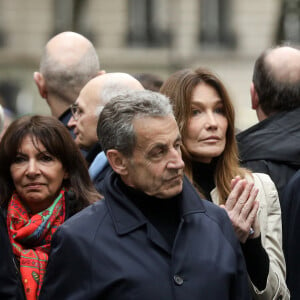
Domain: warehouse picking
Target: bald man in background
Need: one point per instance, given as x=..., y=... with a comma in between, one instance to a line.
x=85, y=113
x=68, y=62
x=272, y=146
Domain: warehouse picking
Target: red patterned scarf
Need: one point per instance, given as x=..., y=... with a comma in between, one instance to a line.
x=30, y=236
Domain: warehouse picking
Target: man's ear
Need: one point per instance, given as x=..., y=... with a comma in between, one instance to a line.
x=254, y=97
x=117, y=161
x=40, y=83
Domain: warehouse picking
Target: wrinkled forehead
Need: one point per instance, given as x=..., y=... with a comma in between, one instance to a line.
x=89, y=98
x=151, y=130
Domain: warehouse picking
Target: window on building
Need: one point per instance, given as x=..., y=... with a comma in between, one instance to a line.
x=148, y=23
x=71, y=15
x=289, y=25
x=215, y=24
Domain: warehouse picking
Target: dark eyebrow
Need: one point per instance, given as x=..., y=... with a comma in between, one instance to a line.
x=45, y=152
x=199, y=103
x=158, y=145
x=165, y=146
x=20, y=153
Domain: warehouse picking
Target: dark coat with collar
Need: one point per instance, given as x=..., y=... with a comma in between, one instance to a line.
x=65, y=118
x=110, y=251
x=11, y=287
x=291, y=234
x=272, y=146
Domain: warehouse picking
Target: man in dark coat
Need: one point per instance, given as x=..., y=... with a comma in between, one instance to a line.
x=152, y=237
x=273, y=145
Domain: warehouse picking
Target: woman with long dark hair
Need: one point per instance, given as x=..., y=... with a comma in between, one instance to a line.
x=43, y=181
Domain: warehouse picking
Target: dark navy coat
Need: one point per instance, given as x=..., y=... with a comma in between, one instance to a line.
x=272, y=146
x=11, y=287
x=291, y=234
x=110, y=251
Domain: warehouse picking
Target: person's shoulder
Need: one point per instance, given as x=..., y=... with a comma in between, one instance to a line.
x=215, y=212
x=221, y=219
x=265, y=183
x=90, y=217
x=295, y=179
x=208, y=207
x=267, y=193
x=291, y=192
x=263, y=178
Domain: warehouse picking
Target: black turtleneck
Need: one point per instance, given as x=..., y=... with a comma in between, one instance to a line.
x=203, y=175
x=163, y=214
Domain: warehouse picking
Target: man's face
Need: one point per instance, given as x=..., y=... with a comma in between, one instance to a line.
x=156, y=166
x=85, y=127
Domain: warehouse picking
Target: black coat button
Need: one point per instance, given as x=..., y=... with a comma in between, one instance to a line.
x=178, y=279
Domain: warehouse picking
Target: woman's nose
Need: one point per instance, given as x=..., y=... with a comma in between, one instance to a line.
x=211, y=121
x=32, y=168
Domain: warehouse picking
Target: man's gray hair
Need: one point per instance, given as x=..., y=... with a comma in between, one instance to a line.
x=115, y=125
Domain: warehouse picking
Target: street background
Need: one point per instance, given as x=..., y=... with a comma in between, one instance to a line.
x=156, y=36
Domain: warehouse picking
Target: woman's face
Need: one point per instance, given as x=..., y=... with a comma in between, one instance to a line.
x=206, y=129
x=37, y=175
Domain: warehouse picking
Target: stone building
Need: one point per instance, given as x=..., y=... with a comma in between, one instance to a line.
x=157, y=36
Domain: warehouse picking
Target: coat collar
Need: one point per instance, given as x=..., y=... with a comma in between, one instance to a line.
x=127, y=217
x=276, y=138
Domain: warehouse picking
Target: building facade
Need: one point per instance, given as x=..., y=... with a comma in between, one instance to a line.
x=157, y=36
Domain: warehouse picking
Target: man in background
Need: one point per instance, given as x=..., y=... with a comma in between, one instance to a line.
x=68, y=62
x=272, y=146
x=95, y=94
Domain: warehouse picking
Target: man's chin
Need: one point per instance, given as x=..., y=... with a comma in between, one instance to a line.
x=173, y=190
x=77, y=141
x=82, y=146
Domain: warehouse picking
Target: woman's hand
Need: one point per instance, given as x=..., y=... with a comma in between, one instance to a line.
x=242, y=209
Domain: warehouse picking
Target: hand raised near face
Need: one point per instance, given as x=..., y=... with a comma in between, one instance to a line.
x=242, y=209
